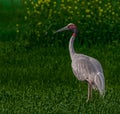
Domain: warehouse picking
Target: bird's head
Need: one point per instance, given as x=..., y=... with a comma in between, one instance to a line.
x=70, y=26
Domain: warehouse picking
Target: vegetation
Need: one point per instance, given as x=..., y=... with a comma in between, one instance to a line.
x=41, y=81
x=98, y=21
x=35, y=67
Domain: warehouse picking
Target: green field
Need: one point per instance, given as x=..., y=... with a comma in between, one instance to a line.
x=37, y=79
x=41, y=81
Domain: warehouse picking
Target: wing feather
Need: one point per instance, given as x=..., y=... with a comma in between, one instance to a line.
x=84, y=67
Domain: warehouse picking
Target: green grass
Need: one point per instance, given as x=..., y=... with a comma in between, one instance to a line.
x=40, y=81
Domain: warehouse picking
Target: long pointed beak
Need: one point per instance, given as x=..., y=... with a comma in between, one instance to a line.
x=62, y=29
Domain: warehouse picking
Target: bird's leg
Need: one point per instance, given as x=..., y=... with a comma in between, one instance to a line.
x=89, y=91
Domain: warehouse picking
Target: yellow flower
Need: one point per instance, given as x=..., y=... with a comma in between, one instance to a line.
x=89, y=3
x=88, y=16
x=55, y=12
x=75, y=2
x=25, y=17
x=83, y=3
x=25, y=2
x=91, y=7
x=28, y=12
x=62, y=5
x=47, y=1
x=92, y=13
x=113, y=13
x=38, y=12
x=54, y=4
x=69, y=7
x=100, y=13
x=110, y=6
x=100, y=9
x=39, y=2
x=71, y=12
x=79, y=22
x=78, y=12
x=87, y=10
x=17, y=31
x=76, y=7
x=68, y=0
x=50, y=12
x=39, y=23
x=36, y=5
x=42, y=7
x=35, y=11
x=110, y=11
x=38, y=35
x=83, y=16
x=32, y=3
x=59, y=12
x=100, y=2
x=17, y=25
x=109, y=3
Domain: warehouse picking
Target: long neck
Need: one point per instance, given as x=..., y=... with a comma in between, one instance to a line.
x=71, y=47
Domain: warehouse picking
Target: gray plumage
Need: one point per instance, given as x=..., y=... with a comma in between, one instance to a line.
x=85, y=68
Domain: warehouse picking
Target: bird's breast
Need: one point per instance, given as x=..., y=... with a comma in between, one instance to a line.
x=78, y=71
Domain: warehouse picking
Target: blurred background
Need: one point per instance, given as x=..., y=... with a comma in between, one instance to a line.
x=98, y=21
x=11, y=12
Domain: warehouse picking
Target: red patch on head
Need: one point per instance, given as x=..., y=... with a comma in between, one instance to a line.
x=72, y=26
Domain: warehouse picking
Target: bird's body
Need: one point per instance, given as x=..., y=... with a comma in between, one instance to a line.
x=85, y=68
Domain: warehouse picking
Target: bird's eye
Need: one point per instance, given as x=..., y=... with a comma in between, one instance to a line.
x=70, y=26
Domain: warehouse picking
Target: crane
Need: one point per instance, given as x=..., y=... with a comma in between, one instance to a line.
x=85, y=68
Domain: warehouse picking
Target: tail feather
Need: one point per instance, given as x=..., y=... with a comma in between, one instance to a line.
x=100, y=83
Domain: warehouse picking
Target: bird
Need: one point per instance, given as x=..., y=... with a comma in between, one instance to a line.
x=85, y=68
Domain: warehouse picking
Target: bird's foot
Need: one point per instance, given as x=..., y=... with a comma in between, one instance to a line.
x=87, y=100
